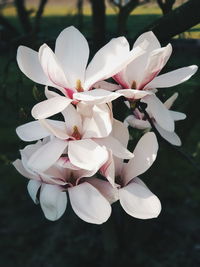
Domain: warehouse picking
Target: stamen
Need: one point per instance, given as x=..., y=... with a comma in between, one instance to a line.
x=79, y=87
x=133, y=86
x=76, y=133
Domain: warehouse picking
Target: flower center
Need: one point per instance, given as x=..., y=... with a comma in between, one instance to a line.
x=134, y=85
x=79, y=87
x=76, y=133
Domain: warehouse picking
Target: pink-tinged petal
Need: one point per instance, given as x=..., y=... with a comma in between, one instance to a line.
x=31, y=131
x=107, y=59
x=56, y=128
x=49, y=93
x=120, y=132
x=177, y=116
x=33, y=187
x=47, y=155
x=72, y=51
x=105, y=188
x=29, y=64
x=110, y=60
x=159, y=112
x=171, y=137
x=170, y=101
x=87, y=154
x=53, y=201
x=121, y=78
x=72, y=119
x=21, y=169
x=136, y=123
x=52, y=67
x=138, y=201
x=100, y=124
x=115, y=146
x=150, y=37
x=50, y=107
x=107, y=86
x=108, y=170
x=89, y=204
x=173, y=78
x=96, y=96
x=144, y=155
x=133, y=94
x=156, y=61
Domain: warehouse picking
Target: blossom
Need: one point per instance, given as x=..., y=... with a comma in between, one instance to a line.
x=67, y=70
x=138, y=120
x=134, y=196
x=84, y=139
x=52, y=185
x=142, y=73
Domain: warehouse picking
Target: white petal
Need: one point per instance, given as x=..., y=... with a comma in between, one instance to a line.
x=139, y=202
x=170, y=101
x=31, y=131
x=96, y=96
x=49, y=93
x=177, y=116
x=21, y=169
x=134, y=94
x=173, y=78
x=171, y=137
x=105, y=188
x=107, y=86
x=52, y=67
x=33, y=187
x=110, y=60
x=50, y=107
x=47, y=155
x=29, y=64
x=72, y=51
x=100, y=124
x=144, y=155
x=115, y=146
x=72, y=118
x=87, y=154
x=56, y=128
x=156, y=61
x=150, y=37
x=159, y=112
x=120, y=132
x=53, y=201
x=89, y=204
x=108, y=170
x=136, y=123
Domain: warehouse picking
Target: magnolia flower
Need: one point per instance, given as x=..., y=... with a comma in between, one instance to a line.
x=84, y=139
x=139, y=78
x=138, y=120
x=134, y=196
x=51, y=187
x=67, y=70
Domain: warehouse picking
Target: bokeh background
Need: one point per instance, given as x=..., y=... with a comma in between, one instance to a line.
x=173, y=239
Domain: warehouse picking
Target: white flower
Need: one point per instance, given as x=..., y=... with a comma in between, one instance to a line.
x=49, y=188
x=67, y=70
x=84, y=138
x=138, y=120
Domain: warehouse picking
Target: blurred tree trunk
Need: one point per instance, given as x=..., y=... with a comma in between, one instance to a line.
x=80, y=14
x=99, y=22
x=39, y=15
x=166, y=5
x=23, y=15
x=177, y=21
x=124, y=12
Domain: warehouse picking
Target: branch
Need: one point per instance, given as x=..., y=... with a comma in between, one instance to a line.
x=177, y=21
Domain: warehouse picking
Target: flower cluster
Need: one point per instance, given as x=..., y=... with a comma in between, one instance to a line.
x=84, y=155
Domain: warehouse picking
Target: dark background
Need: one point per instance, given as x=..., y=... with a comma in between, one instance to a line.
x=173, y=239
